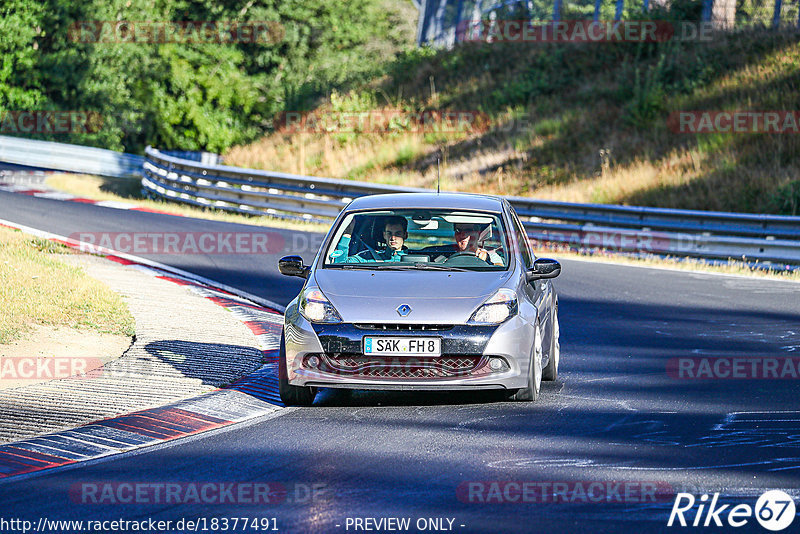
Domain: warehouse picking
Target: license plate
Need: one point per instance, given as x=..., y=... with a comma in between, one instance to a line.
x=403, y=346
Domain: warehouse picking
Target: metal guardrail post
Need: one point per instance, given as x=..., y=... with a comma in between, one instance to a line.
x=708, y=7
x=776, y=14
x=70, y=158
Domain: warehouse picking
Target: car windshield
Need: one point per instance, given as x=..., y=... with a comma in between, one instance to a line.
x=419, y=239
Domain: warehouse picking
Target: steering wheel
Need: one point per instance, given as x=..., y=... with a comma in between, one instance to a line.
x=464, y=255
x=478, y=259
x=460, y=254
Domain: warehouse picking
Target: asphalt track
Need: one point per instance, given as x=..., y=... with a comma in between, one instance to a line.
x=615, y=416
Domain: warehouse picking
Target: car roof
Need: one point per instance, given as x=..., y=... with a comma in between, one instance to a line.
x=466, y=201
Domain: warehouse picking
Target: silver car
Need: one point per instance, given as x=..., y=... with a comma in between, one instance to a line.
x=422, y=292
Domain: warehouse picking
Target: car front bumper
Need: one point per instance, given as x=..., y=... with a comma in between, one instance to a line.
x=463, y=365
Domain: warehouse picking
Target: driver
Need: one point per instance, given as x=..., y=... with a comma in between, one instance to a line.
x=466, y=236
x=395, y=233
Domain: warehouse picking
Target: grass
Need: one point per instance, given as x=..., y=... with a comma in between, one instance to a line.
x=37, y=288
x=573, y=123
x=129, y=190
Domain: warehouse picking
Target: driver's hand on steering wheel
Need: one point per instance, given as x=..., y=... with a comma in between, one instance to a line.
x=483, y=254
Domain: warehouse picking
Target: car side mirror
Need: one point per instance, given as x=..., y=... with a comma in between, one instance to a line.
x=293, y=266
x=543, y=268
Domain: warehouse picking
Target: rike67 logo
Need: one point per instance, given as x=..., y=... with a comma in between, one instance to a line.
x=774, y=510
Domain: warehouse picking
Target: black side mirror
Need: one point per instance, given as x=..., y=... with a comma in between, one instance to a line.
x=293, y=266
x=543, y=268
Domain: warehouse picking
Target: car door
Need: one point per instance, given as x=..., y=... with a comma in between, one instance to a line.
x=538, y=291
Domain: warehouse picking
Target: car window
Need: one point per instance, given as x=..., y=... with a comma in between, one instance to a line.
x=522, y=239
x=419, y=238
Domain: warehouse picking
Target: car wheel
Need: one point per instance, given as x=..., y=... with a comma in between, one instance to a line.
x=530, y=393
x=550, y=372
x=292, y=395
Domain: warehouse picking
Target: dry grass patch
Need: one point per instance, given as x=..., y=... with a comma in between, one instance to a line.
x=37, y=288
x=580, y=124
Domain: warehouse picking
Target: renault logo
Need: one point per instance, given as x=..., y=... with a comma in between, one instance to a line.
x=403, y=310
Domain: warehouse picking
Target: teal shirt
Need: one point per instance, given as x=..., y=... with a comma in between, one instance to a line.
x=339, y=255
x=386, y=254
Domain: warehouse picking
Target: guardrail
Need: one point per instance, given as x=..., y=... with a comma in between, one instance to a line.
x=713, y=235
x=72, y=158
x=630, y=229
x=286, y=196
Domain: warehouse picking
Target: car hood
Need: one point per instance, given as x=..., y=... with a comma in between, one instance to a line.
x=434, y=297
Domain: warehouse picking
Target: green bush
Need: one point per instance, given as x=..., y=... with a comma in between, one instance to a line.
x=786, y=200
x=197, y=96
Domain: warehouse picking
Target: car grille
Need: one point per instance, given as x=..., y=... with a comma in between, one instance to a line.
x=397, y=327
x=359, y=366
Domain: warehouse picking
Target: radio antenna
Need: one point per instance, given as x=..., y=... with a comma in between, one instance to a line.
x=437, y=175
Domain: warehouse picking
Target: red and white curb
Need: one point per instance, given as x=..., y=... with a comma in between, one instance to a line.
x=132, y=431
x=252, y=396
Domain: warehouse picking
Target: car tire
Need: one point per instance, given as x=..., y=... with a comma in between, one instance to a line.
x=292, y=395
x=550, y=372
x=530, y=393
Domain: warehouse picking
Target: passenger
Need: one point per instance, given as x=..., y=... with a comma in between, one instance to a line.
x=395, y=233
x=339, y=255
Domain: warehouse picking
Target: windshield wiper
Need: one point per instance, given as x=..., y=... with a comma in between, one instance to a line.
x=349, y=266
x=416, y=266
x=438, y=267
x=394, y=266
x=366, y=266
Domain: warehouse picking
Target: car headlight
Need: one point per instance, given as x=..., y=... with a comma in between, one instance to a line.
x=496, y=309
x=316, y=307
